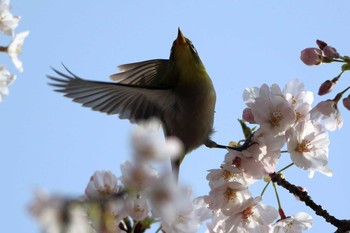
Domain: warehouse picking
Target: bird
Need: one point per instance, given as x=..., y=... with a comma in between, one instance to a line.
x=178, y=91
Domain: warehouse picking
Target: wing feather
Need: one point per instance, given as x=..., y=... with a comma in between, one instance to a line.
x=145, y=73
x=130, y=101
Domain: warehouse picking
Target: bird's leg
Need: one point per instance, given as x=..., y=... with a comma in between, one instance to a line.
x=247, y=143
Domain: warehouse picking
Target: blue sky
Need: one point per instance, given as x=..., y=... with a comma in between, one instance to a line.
x=48, y=141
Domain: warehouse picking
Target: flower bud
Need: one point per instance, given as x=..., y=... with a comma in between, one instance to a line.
x=330, y=52
x=311, y=56
x=346, y=102
x=321, y=44
x=248, y=115
x=326, y=87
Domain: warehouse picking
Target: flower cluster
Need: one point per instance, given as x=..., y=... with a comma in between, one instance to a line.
x=285, y=118
x=142, y=194
x=8, y=24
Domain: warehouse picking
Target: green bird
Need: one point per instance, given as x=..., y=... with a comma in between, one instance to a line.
x=178, y=91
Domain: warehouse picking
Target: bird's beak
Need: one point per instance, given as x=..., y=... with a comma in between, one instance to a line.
x=180, y=38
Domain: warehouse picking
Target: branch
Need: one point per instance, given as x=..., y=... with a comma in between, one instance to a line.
x=341, y=225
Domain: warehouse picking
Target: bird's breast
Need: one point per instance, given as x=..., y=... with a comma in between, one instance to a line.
x=191, y=118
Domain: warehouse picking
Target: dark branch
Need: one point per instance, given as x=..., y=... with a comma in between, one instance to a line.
x=341, y=225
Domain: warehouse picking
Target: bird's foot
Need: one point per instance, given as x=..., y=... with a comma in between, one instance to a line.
x=247, y=143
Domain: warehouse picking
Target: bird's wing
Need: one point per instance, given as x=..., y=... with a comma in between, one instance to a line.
x=146, y=73
x=129, y=101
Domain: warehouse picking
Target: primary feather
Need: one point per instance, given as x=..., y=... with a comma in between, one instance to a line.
x=130, y=100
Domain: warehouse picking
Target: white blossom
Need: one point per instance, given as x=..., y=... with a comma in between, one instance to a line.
x=56, y=214
x=308, y=147
x=252, y=216
x=138, y=177
x=102, y=184
x=298, y=98
x=272, y=111
x=265, y=149
x=180, y=219
x=6, y=79
x=217, y=224
x=295, y=93
x=250, y=94
x=227, y=197
x=293, y=224
x=148, y=142
x=327, y=111
x=15, y=47
x=8, y=22
x=137, y=207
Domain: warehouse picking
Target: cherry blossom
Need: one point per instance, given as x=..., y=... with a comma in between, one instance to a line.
x=6, y=79
x=15, y=47
x=327, y=111
x=101, y=184
x=293, y=224
x=272, y=111
x=8, y=22
x=49, y=209
x=252, y=216
x=308, y=147
x=149, y=143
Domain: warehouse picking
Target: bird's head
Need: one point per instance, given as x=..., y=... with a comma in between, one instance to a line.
x=183, y=52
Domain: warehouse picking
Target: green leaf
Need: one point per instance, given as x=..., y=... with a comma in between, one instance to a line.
x=245, y=129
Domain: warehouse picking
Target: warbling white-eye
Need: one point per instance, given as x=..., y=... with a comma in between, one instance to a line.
x=178, y=91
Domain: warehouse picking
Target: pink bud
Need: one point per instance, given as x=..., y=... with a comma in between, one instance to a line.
x=346, y=102
x=311, y=56
x=248, y=115
x=330, y=52
x=321, y=44
x=326, y=87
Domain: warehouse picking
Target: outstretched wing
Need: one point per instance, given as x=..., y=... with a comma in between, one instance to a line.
x=146, y=73
x=128, y=100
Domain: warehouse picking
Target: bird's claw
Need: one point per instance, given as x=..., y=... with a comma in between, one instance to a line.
x=247, y=143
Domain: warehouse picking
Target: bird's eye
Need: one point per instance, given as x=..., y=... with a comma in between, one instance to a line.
x=193, y=48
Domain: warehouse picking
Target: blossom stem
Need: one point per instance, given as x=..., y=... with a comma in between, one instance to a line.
x=264, y=189
x=268, y=183
x=346, y=89
x=158, y=230
x=340, y=94
x=285, y=168
x=277, y=196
